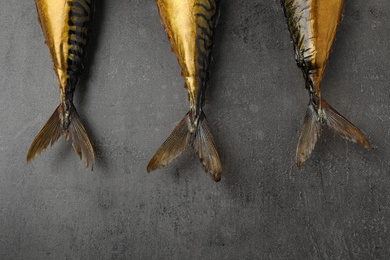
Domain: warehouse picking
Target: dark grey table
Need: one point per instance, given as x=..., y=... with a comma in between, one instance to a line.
x=130, y=99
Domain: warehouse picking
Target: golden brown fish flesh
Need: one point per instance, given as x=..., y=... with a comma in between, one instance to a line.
x=190, y=28
x=65, y=24
x=313, y=25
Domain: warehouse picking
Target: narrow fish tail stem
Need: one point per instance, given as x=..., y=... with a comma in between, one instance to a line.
x=315, y=119
x=200, y=138
x=65, y=123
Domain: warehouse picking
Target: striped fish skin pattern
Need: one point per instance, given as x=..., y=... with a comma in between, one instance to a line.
x=313, y=25
x=190, y=26
x=65, y=25
x=206, y=16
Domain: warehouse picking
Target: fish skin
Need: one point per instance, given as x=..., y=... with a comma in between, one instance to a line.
x=313, y=30
x=56, y=22
x=313, y=25
x=65, y=25
x=190, y=28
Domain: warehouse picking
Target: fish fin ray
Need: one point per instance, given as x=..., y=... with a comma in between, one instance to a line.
x=341, y=126
x=80, y=141
x=206, y=150
x=52, y=131
x=49, y=134
x=201, y=140
x=311, y=131
x=175, y=144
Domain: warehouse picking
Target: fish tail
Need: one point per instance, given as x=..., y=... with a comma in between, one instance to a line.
x=49, y=134
x=199, y=136
x=55, y=127
x=80, y=140
x=312, y=129
x=341, y=126
x=315, y=119
x=206, y=150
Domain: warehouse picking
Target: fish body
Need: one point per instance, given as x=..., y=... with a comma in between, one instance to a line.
x=190, y=27
x=65, y=25
x=313, y=25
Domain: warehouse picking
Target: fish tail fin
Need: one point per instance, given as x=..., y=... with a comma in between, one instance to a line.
x=185, y=133
x=206, y=149
x=175, y=144
x=341, y=126
x=312, y=129
x=49, y=134
x=54, y=128
x=80, y=140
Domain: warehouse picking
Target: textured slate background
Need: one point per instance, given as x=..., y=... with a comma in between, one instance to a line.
x=130, y=99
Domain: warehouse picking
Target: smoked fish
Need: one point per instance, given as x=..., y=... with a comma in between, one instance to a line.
x=312, y=25
x=65, y=24
x=190, y=27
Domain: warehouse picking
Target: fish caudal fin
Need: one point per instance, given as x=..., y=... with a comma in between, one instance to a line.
x=80, y=140
x=206, y=150
x=312, y=129
x=341, y=126
x=52, y=131
x=200, y=139
x=175, y=144
x=49, y=134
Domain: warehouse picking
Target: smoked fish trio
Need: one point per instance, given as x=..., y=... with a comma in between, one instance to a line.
x=65, y=25
x=312, y=25
x=190, y=27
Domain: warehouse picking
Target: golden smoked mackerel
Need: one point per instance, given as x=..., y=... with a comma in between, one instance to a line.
x=190, y=28
x=65, y=24
x=313, y=25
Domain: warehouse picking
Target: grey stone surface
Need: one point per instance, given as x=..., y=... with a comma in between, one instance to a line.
x=130, y=99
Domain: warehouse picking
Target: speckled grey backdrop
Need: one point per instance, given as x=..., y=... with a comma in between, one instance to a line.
x=130, y=99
